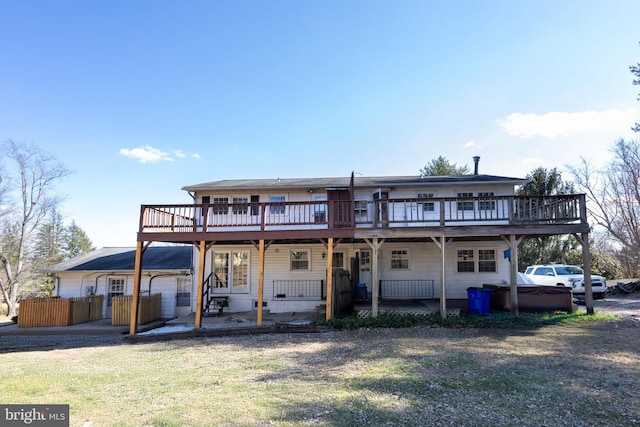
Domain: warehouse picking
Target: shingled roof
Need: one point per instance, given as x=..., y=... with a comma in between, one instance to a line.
x=359, y=182
x=156, y=258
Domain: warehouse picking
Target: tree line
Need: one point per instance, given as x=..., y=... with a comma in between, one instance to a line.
x=32, y=232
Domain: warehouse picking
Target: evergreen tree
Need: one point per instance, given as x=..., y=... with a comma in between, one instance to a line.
x=545, y=249
x=442, y=167
x=76, y=241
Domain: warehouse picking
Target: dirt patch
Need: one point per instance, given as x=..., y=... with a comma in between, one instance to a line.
x=622, y=305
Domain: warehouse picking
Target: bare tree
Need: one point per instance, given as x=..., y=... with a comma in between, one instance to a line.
x=613, y=194
x=635, y=70
x=30, y=175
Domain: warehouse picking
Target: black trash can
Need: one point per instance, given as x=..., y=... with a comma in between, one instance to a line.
x=361, y=291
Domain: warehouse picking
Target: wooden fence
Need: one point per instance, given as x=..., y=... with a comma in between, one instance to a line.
x=150, y=309
x=34, y=312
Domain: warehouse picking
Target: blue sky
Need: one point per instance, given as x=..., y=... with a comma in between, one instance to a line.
x=140, y=98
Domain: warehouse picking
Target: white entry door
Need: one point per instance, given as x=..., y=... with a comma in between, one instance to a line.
x=364, y=259
x=183, y=296
x=231, y=272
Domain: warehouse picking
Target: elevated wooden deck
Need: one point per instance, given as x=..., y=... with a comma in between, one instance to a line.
x=473, y=217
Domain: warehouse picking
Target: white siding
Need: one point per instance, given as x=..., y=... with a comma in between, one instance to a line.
x=424, y=263
x=73, y=284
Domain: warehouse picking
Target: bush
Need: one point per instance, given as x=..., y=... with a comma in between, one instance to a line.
x=494, y=320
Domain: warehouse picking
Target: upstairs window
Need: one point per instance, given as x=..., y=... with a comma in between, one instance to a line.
x=320, y=209
x=240, y=206
x=276, y=204
x=219, y=207
x=486, y=205
x=427, y=206
x=466, y=205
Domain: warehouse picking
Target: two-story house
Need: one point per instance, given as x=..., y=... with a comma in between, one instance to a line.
x=270, y=243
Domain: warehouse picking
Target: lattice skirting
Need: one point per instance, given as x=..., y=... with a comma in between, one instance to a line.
x=451, y=312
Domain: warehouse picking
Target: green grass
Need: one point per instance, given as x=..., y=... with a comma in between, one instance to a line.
x=494, y=320
x=567, y=370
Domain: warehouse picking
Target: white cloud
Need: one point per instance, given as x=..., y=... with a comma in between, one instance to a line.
x=555, y=124
x=146, y=154
x=531, y=161
x=470, y=144
x=182, y=154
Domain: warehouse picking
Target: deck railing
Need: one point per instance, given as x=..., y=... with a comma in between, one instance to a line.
x=407, y=289
x=299, y=290
x=417, y=212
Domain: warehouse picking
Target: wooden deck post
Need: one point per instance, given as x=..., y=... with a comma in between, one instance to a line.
x=375, y=285
x=443, y=291
x=137, y=277
x=586, y=264
x=201, y=264
x=260, y=281
x=513, y=246
x=329, y=307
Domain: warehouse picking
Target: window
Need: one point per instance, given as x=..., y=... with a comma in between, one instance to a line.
x=240, y=270
x=221, y=270
x=219, y=207
x=466, y=205
x=544, y=271
x=486, y=261
x=466, y=262
x=486, y=205
x=360, y=206
x=427, y=206
x=115, y=287
x=365, y=261
x=338, y=260
x=205, y=201
x=360, y=209
x=276, y=204
x=240, y=205
x=399, y=259
x=231, y=271
x=320, y=209
x=299, y=260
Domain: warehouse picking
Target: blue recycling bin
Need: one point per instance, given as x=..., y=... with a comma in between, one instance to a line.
x=479, y=299
x=361, y=291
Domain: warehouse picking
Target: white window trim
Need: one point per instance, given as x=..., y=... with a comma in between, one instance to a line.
x=281, y=210
x=308, y=251
x=408, y=251
x=495, y=260
x=476, y=260
x=231, y=289
x=344, y=259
